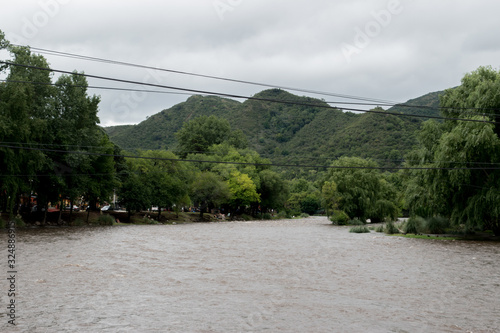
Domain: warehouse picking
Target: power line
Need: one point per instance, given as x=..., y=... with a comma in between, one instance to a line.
x=290, y=157
x=82, y=57
x=247, y=163
x=470, y=110
x=377, y=102
x=204, y=92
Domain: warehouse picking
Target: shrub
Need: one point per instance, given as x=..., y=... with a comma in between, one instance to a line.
x=147, y=220
x=339, y=217
x=247, y=217
x=384, y=210
x=436, y=225
x=282, y=215
x=304, y=215
x=359, y=230
x=267, y=216
x=106, y=219
x=414, y=225
x=390, y=228
x=380, y=228
x=18, y=220
x=78, y=223
x=355, y=221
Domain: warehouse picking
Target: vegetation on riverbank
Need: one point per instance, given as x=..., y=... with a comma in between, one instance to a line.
x=55, y=155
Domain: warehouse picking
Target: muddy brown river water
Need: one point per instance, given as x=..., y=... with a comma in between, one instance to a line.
x=281, y=276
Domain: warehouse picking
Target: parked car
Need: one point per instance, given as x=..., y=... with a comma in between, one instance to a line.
x=75, y=208
x=106, y=208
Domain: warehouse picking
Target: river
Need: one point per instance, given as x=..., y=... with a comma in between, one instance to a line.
x=278, y=276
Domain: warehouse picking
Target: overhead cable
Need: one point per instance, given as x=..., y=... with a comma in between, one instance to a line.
x=204, y=92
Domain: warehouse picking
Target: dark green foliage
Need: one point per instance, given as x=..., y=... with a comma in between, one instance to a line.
x=78, y=223
x=362, y=190
x=19, y=222
x=458, y=188
x=383, y=209
x=106, y=219
x=209, y=190
x=60, y=116
x=310, y=204
x=158, y=131
x=339, y=217
x=273, y=190
x=355, y=222
x=285, y=132
x=414, y=225
x=267, y=216
x=199, y=134
x=390, y=228
x=436, y=225
x=134, y=193
x=247, y=217
x=427, y=105
x=359, y=230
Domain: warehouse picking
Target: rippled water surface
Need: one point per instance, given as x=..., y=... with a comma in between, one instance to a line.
x=284, y=276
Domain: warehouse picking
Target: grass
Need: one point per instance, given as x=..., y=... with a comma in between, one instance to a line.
x=359, y=230
x=428, y=237
x=78, y=222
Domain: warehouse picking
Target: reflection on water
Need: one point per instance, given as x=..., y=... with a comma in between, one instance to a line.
x=285, y=276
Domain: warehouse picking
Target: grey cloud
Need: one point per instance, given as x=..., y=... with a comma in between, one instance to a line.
x=427, y=46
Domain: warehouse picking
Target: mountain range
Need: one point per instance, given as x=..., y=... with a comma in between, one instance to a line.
x=295, y=130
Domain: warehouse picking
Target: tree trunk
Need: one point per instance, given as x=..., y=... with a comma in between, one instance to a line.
x=70, y=211
x=202, y=210
x=46, y=205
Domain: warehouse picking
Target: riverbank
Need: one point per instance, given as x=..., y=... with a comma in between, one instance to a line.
x=115, y=218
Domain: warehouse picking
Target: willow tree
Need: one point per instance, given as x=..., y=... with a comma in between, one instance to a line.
x=462, y=155
x=361, y=189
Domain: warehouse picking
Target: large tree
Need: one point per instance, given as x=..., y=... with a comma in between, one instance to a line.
x=464, y=181
x=362, y=192
x=243, y=190
x=56, y=149
x=24, y=116
x=166, y=178
x=209, y=190
x=199, y=134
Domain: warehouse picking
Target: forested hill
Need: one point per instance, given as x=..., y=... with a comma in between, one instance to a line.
x=426, y=105
x=299, y=133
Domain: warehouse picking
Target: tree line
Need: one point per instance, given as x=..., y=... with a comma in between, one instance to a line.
x=51, y=145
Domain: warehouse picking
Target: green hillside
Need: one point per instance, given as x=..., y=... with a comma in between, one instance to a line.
x=158, y=131
x=300, y=133
x=427, y=105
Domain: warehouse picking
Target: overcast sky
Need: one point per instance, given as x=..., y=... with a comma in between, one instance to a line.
x=384, y=49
